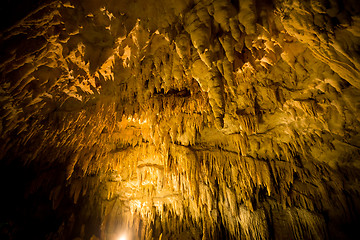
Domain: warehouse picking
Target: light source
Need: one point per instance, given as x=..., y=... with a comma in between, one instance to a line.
x=122, y=237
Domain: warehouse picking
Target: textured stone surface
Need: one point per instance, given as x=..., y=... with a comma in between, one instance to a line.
x=208, y=119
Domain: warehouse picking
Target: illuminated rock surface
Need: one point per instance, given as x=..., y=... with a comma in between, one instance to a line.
x=207, y=119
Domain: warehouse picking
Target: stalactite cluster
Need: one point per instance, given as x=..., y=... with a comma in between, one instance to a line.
x=205, y=119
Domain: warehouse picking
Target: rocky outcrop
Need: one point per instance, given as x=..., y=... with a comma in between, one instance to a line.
x=208, y=119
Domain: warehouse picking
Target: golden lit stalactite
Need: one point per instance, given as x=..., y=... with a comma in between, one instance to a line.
x=208, y=119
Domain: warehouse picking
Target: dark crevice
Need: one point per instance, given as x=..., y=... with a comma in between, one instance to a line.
x=173, y=92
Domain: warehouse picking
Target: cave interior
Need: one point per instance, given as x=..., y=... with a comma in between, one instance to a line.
x=180, y=119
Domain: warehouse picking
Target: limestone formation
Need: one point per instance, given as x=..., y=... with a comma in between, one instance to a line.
x=181, y=119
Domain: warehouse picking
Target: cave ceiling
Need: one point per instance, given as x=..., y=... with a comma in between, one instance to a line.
x=206, y=119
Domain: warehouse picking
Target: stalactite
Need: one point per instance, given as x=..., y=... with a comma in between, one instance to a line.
x=207, y=120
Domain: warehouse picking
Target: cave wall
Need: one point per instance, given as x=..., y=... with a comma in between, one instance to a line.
x=207, y=119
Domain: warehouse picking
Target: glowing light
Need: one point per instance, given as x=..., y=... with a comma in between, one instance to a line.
x=122, y=237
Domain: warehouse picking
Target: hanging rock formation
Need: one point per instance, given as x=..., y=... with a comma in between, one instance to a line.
x=191, y=119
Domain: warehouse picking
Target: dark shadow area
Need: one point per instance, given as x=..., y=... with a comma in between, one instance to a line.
x=25, y=216
x=13, y=11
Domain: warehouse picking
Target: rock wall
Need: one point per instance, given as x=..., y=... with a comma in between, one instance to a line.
x=206, y=119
